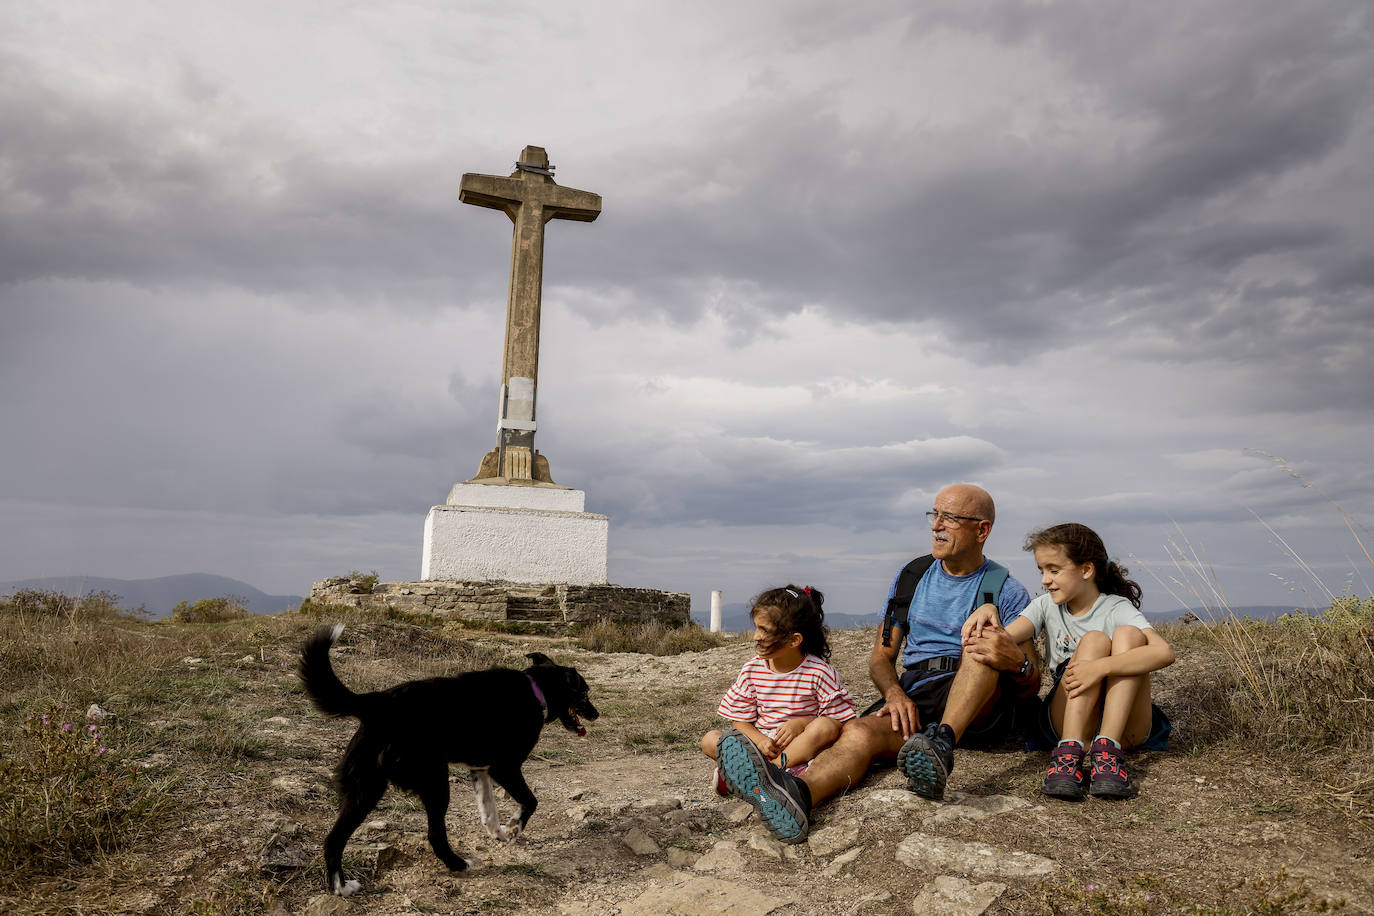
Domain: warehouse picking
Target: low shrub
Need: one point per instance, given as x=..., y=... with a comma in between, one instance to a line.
x=361, y=583
x=69, y=798
x=652, y=638
x=210, y=610
x=1299, y=681
x=36, y=604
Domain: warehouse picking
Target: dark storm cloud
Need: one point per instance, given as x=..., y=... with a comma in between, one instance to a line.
x=1234, y=129
x=158, y=190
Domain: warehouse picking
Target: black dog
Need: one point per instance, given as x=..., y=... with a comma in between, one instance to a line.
x=488, y=720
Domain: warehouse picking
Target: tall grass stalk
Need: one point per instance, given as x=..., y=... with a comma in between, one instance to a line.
x=1304, y=680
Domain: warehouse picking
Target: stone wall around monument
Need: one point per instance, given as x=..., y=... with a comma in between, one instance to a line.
x=507, y=601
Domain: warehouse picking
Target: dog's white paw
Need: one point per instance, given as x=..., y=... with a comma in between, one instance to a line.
x=348, y=888
x=511, y=830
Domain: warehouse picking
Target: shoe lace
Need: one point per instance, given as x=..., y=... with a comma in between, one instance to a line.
x=1106, y=762
x=1065, y=763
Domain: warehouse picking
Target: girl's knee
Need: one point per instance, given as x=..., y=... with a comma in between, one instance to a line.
x=825, y=729
x=1127, y=637
x=709, y=742
x=1094, y=644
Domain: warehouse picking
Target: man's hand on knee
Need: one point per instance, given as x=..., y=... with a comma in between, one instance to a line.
x=906, y=720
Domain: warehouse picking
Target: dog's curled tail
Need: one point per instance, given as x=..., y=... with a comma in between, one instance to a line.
x=329, y=694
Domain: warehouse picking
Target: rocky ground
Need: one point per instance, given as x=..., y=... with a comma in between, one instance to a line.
x=628, y=821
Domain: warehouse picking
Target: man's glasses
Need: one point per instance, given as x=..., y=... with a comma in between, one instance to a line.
x=951, y=521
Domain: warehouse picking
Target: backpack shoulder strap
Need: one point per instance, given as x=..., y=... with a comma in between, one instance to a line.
x=900, y=603
x=994, y=577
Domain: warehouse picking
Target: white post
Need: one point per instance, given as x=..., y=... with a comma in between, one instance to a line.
x=715, y=610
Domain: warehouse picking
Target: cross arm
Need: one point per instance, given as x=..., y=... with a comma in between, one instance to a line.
x=492, y=191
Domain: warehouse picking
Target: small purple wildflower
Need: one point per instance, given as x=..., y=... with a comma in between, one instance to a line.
x=92, y=728
x=68, y=727
x=100, y=750
x=1090, y=887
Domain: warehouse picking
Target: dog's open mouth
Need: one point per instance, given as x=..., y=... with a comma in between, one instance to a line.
x=574, y=724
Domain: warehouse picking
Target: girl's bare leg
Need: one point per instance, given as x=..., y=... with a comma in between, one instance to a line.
x=819, y=734
x=1077, y=717
x=1126, y=712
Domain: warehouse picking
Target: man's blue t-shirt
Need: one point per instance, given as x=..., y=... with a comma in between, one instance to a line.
x=942, y=603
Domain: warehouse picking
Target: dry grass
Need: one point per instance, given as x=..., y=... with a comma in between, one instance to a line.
x=652, y=638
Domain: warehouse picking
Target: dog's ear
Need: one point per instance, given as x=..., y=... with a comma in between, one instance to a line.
x=539, y=658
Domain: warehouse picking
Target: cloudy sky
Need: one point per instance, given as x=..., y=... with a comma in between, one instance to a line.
x=1088, y=255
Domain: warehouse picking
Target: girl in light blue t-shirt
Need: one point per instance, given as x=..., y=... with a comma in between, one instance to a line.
x=1101, y=649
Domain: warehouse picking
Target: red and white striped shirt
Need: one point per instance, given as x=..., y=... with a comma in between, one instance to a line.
x=768, y=699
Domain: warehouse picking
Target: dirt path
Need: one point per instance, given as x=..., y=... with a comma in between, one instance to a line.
x=628, y=823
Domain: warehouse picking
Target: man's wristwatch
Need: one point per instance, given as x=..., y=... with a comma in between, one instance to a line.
x=1025, y=667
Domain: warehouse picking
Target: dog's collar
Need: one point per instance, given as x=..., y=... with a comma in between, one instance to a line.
x=539, y=695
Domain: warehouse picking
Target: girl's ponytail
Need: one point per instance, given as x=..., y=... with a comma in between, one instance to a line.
x=1082, y=545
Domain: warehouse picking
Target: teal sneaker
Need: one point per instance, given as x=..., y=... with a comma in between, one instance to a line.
x=781, y=799
x=927, y=759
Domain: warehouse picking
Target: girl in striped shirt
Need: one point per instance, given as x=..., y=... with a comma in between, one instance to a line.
x=787, y=700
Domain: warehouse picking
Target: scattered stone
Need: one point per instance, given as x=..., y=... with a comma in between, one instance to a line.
x=952, y=896
x=377, y=826
x=691, y=818
x=934, y=853
x=974, y=808
x=762, y=842
x=576, y=794
x=640, y=843
x=280, y=853
x=327, y=905
x=681, y=893
x=681, y=858
x=840, y=861
x=191, y=660
x=895, y=802
x=739, y=813
x=248, y=660
x=722, y=857
x=868, y=899
x=656, y=807
x=277, y=720
x=829, y=840
x=384, y=854
x=579, y=814
x=95, y=714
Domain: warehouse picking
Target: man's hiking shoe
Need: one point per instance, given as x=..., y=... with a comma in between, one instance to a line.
x=1109, y=779
x=782, y=800
x=721, y=787
x=927, y=759
x=1065, y=777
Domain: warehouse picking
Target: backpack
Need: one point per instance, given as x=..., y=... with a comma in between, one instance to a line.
x=994, y=577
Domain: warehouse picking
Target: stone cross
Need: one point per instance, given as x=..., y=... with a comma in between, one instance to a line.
x=530, y=198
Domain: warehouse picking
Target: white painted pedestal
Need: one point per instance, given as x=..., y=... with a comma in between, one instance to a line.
x=530, y=535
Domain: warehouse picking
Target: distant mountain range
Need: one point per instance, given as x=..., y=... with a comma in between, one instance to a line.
x=159, y=596
x=735, y=617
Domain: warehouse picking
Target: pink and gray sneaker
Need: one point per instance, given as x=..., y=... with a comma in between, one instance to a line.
x=1109, y=779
